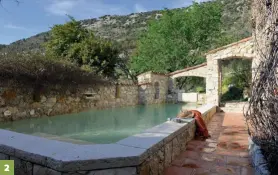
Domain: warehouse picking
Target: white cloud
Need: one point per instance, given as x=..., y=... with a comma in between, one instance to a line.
x=61, y=7
x=139, y=8
x=184, y=3
x=81, y=9
x=12, y=26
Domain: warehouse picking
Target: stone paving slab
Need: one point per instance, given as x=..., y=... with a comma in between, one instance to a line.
x=225, y=153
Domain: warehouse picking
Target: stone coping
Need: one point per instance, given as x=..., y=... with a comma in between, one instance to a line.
x=187, y=69
x=154, y=73
x=229, y=45
x=62, y=156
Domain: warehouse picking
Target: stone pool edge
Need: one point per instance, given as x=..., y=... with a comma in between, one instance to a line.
x=150, y=151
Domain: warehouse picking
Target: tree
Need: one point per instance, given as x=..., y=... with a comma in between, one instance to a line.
x=74, y=43
x=179, y=38
x=237, y=72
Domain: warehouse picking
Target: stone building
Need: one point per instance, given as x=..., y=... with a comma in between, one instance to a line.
x=153, y=88
x=211, y=70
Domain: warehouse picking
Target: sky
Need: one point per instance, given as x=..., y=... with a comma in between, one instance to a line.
x=31, y=17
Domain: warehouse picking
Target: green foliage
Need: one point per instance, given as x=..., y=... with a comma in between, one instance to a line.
x=237, y=72
x=73, y=42
x=179, y=38
x=200, y=89
x=233, y=93
x=191, y=84
x=64, y=37
x=2, y=46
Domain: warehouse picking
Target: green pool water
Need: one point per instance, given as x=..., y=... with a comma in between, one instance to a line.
x=98, y=126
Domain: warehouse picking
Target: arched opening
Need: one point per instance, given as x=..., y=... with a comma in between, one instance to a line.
x=156, y=88
x=235, y=80
x=191, y=84
x=191, y=89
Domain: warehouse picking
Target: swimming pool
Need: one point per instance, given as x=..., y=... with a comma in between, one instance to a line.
x=98, y=126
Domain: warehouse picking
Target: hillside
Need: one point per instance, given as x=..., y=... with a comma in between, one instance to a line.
x=2, y=46
x=126, y=29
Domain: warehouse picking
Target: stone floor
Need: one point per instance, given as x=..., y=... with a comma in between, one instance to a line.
x=225, y=153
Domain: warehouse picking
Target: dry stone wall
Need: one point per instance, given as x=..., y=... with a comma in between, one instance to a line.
x=19, y=103
x=162, y=156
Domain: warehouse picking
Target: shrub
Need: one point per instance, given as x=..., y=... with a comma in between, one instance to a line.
x=37, y=71
x=75, y=43
x=200, y=89
x=233, y=93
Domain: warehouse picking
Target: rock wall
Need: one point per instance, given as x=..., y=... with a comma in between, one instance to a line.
x=24, y=102
x=20, y=103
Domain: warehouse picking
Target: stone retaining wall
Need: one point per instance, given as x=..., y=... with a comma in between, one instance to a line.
x=19, y=103
x=22, y=103
x=149, y=152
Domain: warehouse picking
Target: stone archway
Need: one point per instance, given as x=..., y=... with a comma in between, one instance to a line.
x=241, y=49
x=195, y=71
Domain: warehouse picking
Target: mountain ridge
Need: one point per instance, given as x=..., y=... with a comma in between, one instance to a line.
x=126, y=28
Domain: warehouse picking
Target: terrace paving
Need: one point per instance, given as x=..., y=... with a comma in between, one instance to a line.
x=225, y=153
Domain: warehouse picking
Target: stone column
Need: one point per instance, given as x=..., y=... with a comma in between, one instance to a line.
x=173, y=89
x=212, y=81
x=220, y=80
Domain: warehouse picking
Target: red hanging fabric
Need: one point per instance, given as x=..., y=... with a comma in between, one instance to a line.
x=201, y=126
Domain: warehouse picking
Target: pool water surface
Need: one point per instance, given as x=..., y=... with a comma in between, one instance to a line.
x=98, y=126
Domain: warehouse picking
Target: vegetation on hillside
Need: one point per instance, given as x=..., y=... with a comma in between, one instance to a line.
x=178, y=39
x=126, y=29
x=74, y=43
x=2, y=46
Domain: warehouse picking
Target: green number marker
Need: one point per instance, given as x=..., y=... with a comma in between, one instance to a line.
x=6, y=167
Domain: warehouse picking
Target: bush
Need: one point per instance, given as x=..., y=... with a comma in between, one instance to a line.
x=75, y=43
x=41, y=71
x=233, y=93
x=200, y=89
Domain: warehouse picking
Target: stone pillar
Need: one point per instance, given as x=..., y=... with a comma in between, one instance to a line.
x=212, y=81
x=220, y=80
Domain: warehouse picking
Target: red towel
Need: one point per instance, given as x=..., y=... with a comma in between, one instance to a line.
x=201, y=126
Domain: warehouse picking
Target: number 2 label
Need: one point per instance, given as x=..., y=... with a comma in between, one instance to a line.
x=6, y=167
